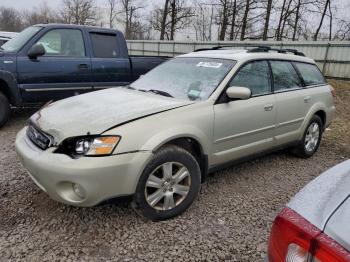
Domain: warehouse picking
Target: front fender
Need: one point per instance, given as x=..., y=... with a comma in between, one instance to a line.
x=12, y=89
x=188, y=131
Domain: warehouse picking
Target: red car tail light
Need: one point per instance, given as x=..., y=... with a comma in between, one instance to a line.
x=294, y=239
x=329, y=250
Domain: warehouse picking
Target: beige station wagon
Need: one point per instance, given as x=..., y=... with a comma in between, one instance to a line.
x=157, y=139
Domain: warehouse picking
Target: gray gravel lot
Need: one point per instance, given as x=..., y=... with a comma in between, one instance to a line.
x=230, y=220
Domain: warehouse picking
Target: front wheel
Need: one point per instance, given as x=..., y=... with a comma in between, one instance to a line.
x=168, y=185
x=4, y=109
x=311, y=139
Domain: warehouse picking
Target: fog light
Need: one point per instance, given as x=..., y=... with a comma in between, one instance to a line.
x=79, y=191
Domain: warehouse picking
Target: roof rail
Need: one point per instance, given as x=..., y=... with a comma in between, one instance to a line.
x=255, y=49
x=278, y=50
x=214, y=48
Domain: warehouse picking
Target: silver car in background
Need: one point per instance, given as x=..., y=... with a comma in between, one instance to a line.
x=315, y=224
x=158, y=138
x=6, y=36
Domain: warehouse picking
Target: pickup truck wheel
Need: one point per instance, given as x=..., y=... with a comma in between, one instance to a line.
x=4, y=109
x=168, y=185
x=311, y=139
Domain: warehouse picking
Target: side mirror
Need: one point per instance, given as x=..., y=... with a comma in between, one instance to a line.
x=36, y=50
x=237, y=92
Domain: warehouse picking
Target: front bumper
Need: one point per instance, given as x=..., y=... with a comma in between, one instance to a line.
x=98, y=178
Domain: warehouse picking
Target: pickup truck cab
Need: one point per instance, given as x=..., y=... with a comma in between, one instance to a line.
x=53, y=61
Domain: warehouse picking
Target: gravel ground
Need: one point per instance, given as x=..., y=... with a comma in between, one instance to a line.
x=230, y=220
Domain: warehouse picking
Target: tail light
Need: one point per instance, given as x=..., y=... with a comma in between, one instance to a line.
x=332, y=90
x=294, y=239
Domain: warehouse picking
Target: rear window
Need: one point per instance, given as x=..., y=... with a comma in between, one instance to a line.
x=284, y=76
x=310, y=73
x=104, y=45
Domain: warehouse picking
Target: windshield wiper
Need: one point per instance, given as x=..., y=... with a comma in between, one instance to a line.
x=129, y=87
x=160, y=92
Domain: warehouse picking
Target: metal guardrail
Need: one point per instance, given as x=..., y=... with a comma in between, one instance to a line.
x=333, y=57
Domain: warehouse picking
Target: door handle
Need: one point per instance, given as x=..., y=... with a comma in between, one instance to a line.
x=307, y=99
x=268, y=107
x=83, y=66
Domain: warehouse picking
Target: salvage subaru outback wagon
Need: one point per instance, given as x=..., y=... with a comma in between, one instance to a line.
x=158, y=138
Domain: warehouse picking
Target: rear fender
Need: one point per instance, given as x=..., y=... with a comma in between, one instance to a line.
x=315, y=108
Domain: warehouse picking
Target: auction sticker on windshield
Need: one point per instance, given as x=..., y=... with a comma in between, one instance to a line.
x=210, y=64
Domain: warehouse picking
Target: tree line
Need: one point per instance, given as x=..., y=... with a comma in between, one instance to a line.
x=203, y=20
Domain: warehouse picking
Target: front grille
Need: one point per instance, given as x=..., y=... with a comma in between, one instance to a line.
x=39, y=138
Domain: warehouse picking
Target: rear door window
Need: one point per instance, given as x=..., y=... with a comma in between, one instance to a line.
x=310, y=74
x=255, y=76
x=284, y=76
x=104, y=45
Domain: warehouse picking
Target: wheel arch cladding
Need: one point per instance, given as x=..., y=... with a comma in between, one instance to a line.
x=194, y=147
x=322, y=115
x=8, y=86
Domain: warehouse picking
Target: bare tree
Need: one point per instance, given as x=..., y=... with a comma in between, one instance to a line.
x=224, y=18
x=41, y=15
x=112, y=12
x=201, y=23
x=244, y=21
x=321, y=21
x=80, y=12
x=277, y=35
x=134, y=28
x=267, y=19
x=330, y=21
x=178, y=17
x=233, y=19
x=164, y=18
x=297, y=15
x=10, y=20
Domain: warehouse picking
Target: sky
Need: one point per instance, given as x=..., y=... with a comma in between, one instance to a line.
x=27, y=4
x=342, y=6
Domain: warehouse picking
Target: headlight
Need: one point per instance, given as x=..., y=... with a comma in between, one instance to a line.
x=96, y=146
x=88, y=146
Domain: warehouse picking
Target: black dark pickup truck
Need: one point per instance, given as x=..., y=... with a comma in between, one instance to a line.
x=54, y=61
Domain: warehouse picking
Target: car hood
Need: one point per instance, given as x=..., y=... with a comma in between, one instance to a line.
x=96, y=112
x=317, y=201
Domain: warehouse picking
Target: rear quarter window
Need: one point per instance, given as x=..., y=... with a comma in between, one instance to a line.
x=310, y=74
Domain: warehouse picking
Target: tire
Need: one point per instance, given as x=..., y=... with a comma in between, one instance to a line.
x=4, y=109
x=305, y=148
x=154, y=193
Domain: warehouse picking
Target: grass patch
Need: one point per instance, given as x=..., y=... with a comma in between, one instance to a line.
x=338, y=134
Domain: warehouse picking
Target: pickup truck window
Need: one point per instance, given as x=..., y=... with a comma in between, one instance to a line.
x=63, y=42
x=104, y=45
x=16, y=43
x=186, y=78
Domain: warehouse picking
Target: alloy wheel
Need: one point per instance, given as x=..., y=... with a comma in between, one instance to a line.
x=167, y=186
x=312, y=137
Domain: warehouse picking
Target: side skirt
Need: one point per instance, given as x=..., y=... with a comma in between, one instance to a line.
x=221, y=166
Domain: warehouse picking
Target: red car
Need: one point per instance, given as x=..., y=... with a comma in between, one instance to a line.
x=315, y=225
